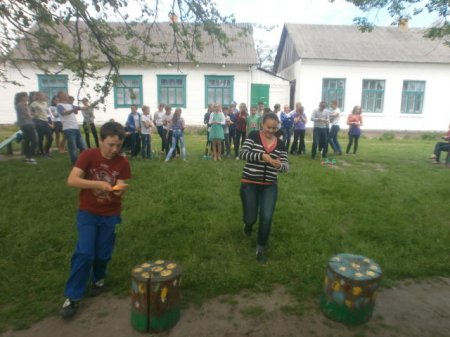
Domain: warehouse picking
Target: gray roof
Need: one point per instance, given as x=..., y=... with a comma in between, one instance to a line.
x=242, y=45
x=383, y=44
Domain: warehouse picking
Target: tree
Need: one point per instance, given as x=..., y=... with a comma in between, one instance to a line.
x=79, y=35
x=265, y=52
x=406, y=9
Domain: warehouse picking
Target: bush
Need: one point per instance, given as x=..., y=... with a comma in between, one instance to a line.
x=387, y=136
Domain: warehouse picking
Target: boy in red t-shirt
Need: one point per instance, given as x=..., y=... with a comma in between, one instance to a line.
x=95, y=173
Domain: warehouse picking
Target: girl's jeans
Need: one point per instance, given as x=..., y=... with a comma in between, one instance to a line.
x=259, y=198
x=177, y=136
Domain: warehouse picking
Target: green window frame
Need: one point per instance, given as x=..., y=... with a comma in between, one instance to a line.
x=413, y=94
x=128, y=91
x=172, y=90
x=219, y=89
x=372, y=98
x=333, y=89
x=51, y=84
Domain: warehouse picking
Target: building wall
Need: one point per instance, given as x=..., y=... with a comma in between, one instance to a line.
x=279, y=87
x=435, y=117
x=195, y=90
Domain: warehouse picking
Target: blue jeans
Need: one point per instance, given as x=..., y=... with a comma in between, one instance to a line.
x=96, y=237
x=333, y=140
x=262, y=198
x=146, y=145
x=287, y=133
x=320, y=139
x=74, y=142
x=177, y=136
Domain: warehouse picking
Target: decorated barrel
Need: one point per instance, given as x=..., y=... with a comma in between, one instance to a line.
x=155, y=296
x=350, y=289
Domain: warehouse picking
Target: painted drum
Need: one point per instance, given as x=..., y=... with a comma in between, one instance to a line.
x=155, y=296
x=350, y=289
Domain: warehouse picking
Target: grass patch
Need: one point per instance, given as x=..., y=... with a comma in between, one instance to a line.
x=253, y=311
x=388, y=203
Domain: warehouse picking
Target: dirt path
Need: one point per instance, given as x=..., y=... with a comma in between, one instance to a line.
x=414, y=310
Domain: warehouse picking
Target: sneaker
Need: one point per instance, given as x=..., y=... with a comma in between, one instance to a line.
x=261, y=257
x=433, y=156
x=96, y=288
x=69, y=308
x=247, y=230
x=31, y=161
x=436, y=162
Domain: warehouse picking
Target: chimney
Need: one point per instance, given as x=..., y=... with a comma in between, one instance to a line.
x=403, y=24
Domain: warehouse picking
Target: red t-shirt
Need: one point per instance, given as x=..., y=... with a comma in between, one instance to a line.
x=96, y=167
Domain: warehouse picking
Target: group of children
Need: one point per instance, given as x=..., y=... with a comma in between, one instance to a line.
x=40, y=121
x=230, y=125
x=170, y=127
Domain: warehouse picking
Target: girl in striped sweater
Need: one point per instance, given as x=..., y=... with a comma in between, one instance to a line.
x=266, y=157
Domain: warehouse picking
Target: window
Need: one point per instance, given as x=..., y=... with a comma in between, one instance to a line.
x=219, y=89
x=412, y=97
x=51, y=84
x=172, y=90
x=333, y=89
x=127, y=91
x=373, y=95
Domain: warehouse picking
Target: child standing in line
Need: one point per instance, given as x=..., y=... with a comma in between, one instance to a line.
x=177, y=125
x=146, y=131
x=253, y=121
x=226, y=131
x=95, y=173
x=216, y=133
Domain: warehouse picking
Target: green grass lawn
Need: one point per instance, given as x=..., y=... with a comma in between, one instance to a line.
x=388, y=203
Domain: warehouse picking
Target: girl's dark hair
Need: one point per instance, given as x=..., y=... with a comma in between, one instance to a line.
x=53, y=103
x=111, y=129
x=270, y=115
x=19, y=97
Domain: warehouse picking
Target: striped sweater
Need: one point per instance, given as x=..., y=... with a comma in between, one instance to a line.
x=256, y=170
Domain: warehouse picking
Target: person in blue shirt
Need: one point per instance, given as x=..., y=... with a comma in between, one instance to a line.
x=133, y=126
x=287, y=121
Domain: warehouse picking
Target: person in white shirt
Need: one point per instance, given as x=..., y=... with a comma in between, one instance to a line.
x=71, y=130
x=334, y=120
x=158, y=122
x=146, y=130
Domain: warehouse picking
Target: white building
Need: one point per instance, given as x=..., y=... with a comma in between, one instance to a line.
x=169, y=78
x=398, y=77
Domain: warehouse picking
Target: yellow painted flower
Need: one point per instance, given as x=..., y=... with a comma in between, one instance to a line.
x=342, y=268
x=336, y=286
x=166, y=272
x=348, y=303
x=159, y=262
x=157, y=269
x=142, y=288
x=137, y=270
x=146, y=265
x=357, y=291
x=171, y=266
x=145, y=275
x=164, y=292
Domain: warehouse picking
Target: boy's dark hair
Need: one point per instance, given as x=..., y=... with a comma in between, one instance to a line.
x=111, y=129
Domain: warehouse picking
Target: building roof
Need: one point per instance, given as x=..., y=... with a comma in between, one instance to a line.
x=383, y=44
x=242, y=45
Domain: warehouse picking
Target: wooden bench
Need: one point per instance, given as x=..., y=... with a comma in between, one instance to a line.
x=8, y=142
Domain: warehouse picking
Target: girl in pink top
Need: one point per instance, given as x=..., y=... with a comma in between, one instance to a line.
x=354, y=121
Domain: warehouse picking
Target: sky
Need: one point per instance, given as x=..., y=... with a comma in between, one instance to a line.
x=271, y=12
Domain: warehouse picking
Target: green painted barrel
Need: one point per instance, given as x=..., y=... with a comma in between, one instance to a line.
x=350, y=289
x=155, y=296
